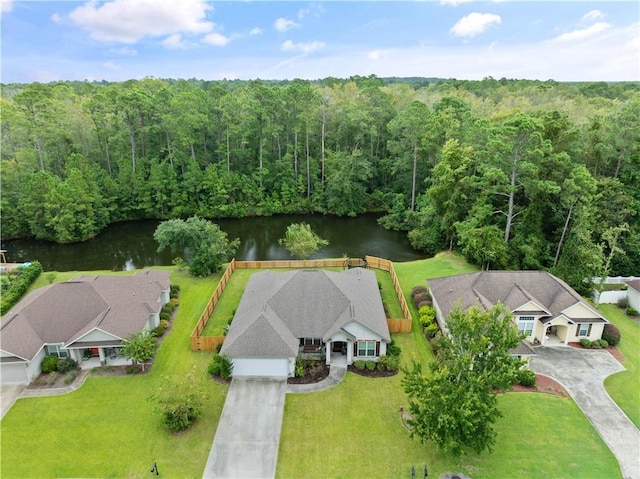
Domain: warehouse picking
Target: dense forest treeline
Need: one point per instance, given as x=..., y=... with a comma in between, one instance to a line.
x=513, y=173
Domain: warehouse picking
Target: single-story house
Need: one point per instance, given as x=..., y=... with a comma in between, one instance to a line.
x=633, y=293
x=86, y=316
x=546, y=309
x=286, y=314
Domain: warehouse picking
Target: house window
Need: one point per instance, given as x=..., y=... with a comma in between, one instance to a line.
x=584, y=329
x=366, y=348
x=311, y=341
x=55, y=350
x=525, y=325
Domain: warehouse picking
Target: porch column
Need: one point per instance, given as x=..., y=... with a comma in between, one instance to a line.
x=349, y=352
x=327, y=353
x=103, y=359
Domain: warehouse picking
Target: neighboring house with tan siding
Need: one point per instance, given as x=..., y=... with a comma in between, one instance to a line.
x=86, y=316
x=286, y=314
x=545, y=308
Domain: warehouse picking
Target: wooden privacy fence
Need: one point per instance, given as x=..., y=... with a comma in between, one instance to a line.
x=386, y=265
x=210, y=343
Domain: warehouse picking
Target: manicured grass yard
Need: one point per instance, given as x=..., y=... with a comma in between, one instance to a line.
x=624, y=387
x=108, y=428
x=354, y=429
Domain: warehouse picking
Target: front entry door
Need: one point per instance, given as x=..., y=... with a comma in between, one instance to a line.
x=339, y=347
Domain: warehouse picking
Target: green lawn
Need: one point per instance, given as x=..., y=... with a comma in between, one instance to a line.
x=108, y=428
x=354, y=430
x=624, y=387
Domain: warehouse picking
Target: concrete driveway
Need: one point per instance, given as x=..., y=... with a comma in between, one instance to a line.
x=582, y=373
x=8, y=395
x=248, y=434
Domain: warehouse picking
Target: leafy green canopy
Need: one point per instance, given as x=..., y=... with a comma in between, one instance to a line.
x=139, y=347
x=301, y=241
x=455, y=404
x=204, y=244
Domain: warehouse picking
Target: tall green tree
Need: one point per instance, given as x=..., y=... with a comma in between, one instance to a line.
x=204, y=245
x=139, y=347
x=454, y=404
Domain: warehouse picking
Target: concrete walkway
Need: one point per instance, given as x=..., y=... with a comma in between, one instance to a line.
x=582, y=373
x=337, y=372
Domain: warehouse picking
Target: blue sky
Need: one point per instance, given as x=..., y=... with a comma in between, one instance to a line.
x=124, y=39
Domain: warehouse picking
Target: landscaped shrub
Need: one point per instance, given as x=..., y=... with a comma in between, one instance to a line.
x=49, y=364
x=389, y=363
x=180, y=402
x=299, y=369
x=70, y=377
x=158, y=331
x=436, y=343
x=393, y=349
x=370, y=365
x=164, y=323
x=221, y=366
x=585, y=343
x=611, y=334
x=175, y=302
x=595, y=345
x=631, y=311
x=417, y=290
x=170, y=307
x=65, y=365
x=603, y=343
x=27, y=275
x=623, y=302
x=419, y=298
x=165, y=315
x=526, y=377
x=174, y=291
x=359, y=364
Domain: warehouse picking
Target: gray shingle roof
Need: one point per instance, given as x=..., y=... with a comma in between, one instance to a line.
x=299, y=304
x=511, y=288
x=63, y=312
x=635, y=284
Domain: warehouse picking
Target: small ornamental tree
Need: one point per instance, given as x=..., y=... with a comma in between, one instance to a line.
x=180, y=401
x=139, y=347
x=611, y=334
x=301, y=241
x=455, y=404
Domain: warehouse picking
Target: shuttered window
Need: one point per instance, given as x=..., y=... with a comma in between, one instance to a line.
x=584, y=329
x=366, y=348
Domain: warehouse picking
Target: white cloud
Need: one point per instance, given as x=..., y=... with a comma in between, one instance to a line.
x=127, y=21
x=454, y=3
x=175, y=42
x=283, y=24
x=57, y=18
x=256, y=31
x=302, y=47
x=124, y=51
x=216, y=39
x=377, y=54
x=474, y=24
x=593, y=15
x=6, y=6
x=314, y=9
x=583, y=33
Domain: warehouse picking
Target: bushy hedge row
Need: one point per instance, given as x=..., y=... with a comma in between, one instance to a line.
x=52, y=363
x=19, y=286
x=595, y=344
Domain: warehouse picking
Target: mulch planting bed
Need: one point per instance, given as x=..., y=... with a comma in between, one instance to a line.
x=313, y=373
x=611, y=349
x=371, y=374
x=544, y=384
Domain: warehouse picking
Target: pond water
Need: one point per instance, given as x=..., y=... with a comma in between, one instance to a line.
x=130, y=245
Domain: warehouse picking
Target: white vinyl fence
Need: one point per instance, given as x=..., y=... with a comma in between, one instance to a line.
x=611, y=297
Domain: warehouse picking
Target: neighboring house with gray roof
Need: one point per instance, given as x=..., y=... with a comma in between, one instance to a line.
x=545, y=308
x=286, y=314
x=86, y=315
x=633, y=293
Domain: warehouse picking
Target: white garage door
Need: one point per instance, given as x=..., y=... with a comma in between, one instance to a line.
x=13, y=374
x=261, y=367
